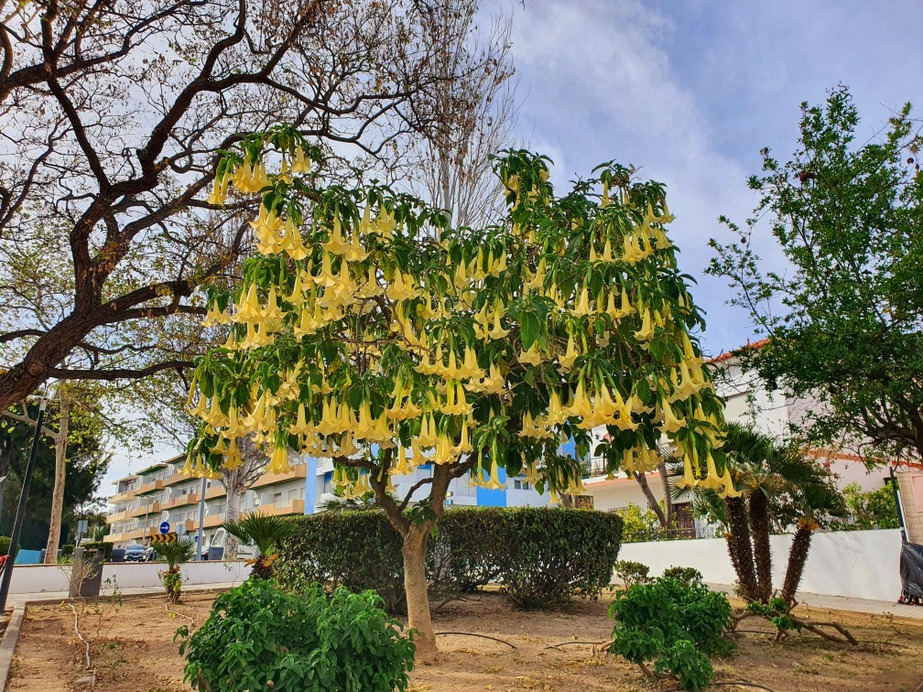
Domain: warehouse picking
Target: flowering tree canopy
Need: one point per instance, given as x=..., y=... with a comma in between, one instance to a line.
x=370, y=332
x=366, y=330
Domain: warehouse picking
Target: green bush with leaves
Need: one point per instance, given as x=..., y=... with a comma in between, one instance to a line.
x=684, y=574
x=631, y=572
x=675, y=624
x=553, y=555
x=542, y=557
x=67, y=550
x=640, y=525
x=104, y=548
x=260, y=637
x=4, y=545
x=358, y=550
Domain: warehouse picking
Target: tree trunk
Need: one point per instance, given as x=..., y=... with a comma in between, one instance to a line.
x=740, y=549
x=797, y=557
x=651, y=500
x=667, y=497
x=231, y=514
x=762, y=557
x=60, y=472
x=415, y=588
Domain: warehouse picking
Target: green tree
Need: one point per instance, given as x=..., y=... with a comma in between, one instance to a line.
x=871, y=509
x=369, y=331
x=843, y=316
x=780, y=489
x=174, y=553
x=86, y=464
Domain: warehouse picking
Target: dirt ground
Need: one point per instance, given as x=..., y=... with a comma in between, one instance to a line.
x=132, y=649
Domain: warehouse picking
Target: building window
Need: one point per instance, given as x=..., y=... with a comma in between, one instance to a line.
x=521, y=485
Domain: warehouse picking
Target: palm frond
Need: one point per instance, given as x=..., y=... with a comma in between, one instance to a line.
x=261, y=530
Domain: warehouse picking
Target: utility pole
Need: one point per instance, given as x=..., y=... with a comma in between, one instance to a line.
x=199, y=537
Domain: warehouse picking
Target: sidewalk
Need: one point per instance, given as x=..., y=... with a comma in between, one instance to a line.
x=856, y=605
x=15, y=599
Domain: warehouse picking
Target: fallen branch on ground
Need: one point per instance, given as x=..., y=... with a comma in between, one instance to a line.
x=482, y=636
x=86, y=644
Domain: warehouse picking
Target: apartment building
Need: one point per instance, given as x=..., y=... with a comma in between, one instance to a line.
x=161, y=493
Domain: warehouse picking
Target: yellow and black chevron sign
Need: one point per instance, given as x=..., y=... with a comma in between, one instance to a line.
x=163, y=538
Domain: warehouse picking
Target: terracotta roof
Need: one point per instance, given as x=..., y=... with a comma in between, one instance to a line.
x=736, y=351
x=846, y=456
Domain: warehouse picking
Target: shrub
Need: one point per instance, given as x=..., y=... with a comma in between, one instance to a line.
x=4, y=545
x=260, y=637
x=358, y=550
x=632, y=573
x=104, y=548
x=555, y=554
x=677, y=624
x=67, y=550
x=684, y=574
x=541, y=557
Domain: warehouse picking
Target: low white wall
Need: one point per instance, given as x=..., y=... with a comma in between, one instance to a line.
x=856, y=564
x=127, y=575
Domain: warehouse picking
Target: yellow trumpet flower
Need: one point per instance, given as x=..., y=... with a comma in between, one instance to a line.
x=278, y=461
x=570, y=355
x=336, y=244
x=532, y=356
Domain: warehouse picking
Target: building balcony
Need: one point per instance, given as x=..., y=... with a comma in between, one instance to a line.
x=116, y=537
x=278, y=509
x=175, y=478
x=146, y=509
x=299, y=471
x=123, y=496
x=187, y=499
x=215, y=491
x=213, y=520
x=151, y=487
x=122, y=515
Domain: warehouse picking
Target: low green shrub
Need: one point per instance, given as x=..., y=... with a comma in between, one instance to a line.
x=552, y=555
x=104, y=548
x=359, y=550
x=631, y=572
x=685, y=574
x=260, y=637
x=67, y=550
x=541, y=557
x=4, y=545
x=676, y=624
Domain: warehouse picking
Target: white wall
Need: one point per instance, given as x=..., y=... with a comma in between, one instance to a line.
x=127, y=575
x=857, y=564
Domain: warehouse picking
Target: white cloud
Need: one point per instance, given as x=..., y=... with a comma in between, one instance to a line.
x=601, y=86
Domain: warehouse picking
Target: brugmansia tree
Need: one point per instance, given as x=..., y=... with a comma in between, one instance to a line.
x=370, y=332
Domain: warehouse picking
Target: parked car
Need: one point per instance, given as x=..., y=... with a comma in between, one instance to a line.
x=135, y=553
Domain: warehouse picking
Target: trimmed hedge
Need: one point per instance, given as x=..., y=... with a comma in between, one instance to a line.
x=542, y=557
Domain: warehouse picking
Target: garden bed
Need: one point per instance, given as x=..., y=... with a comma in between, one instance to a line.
x=132, y=648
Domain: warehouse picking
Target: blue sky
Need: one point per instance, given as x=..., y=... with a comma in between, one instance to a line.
x=690, y=92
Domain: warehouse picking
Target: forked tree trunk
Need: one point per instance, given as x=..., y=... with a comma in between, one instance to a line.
x=740, y=549
x=60, y=474
x=762, y=557
x=797, y=557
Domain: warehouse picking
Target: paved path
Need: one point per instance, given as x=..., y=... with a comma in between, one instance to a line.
x=19, y=598
x=857, y=605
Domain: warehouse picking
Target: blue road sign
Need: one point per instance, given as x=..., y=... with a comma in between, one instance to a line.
x=165, y=528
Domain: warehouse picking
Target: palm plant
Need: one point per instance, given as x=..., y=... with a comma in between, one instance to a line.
x=781, y=488
x=175, y=553
x=264, y=532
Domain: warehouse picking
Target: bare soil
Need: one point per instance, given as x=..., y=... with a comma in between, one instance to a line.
x=132, y=649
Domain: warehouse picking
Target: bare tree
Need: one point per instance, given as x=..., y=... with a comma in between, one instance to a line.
x=111, y=115
x=237, y=482
x=473, y=120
